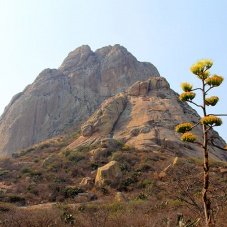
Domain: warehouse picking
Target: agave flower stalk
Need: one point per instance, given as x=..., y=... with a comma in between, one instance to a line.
x=208, y=121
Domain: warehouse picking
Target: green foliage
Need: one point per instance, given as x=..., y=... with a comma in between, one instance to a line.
x=188, y=137
x=126, y=147
x=145, y=167
x=3, y=172
x=211, y=101
x=32, y=189
x=34, y=174
x=186, y=87
x=211, y=120
x=145, y=183
x=26, y=170
x=141, y=196
x=127, y=159
x=184, y=127
x=214, y=80
x=186, y=96
x=84, y=148
x=175, y=202
x=128, y=181
x=68, y=218
x=115, y=207
x=71, y=192
x=67, y=215
x=16, y=199
x=75, y=156
x=104, y=191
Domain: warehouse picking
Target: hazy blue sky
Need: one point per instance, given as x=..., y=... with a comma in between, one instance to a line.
x=38, y=34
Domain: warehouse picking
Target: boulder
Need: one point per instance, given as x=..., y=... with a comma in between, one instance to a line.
x=223, y=171
x=99, y=153
x=86, y=130
x=139, y=88
x=109, y=174
x=103, y=120
x=120, y=197
x=87, y=183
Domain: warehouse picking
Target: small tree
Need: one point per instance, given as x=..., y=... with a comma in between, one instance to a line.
x=207, y=121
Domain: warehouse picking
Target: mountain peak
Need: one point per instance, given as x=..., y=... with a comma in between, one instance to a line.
x=76, y=58
x=60, y=99
x=84, y=57
x=81, y=49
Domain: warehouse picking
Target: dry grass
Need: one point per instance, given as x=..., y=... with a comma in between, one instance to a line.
x=45, y=172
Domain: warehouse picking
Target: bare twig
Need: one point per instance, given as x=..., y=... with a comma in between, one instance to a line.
x=195, y=103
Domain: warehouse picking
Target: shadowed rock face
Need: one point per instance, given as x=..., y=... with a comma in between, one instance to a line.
x=145, y=117
x=62, y=98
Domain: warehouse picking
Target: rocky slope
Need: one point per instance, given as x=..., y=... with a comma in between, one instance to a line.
x=62, y=98
x=144, y=117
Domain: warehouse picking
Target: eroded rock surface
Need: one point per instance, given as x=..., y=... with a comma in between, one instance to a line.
x=60, y=99
x=147, y=121
x=108, y=174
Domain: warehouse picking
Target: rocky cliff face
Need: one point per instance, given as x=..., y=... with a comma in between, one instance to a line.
x=144, y=117
x=62, y=98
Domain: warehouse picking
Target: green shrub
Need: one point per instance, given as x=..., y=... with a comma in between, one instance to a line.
x=75, y=156
x=3, y=172
x=33, y=190
x=115, y=207
x=145, y=183
x=141, y=196
x=36, y=176
x=144, y=167
x=104, y=191
x=94, y=166
x=175, y=202
x=16, y=199
x=59, y=180
x=72, y=192
x=125, y=157
x=84, y=148
x=26, y=170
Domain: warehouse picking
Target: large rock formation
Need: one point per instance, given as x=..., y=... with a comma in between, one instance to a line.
x=145, y=117
x=63, y=98
x=108, y=174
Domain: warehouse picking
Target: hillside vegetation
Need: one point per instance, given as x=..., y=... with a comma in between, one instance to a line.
x=154, y=189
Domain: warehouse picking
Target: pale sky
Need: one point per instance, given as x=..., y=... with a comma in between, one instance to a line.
x=38, y=34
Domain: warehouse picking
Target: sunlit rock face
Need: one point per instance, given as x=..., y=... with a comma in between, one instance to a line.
x=60, y=99
x=144, y=117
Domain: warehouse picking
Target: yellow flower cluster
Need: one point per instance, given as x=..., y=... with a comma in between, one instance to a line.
x=186, y=96
x=211, y=101
x=211, y=120
x=186, y=86
x=188, y=137
x=184, y=127
x=200, y=68
x=214, y=80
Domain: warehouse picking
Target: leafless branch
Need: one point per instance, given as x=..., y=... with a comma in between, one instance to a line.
x=208, y=89
x=197, y=89
x=195, y=103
